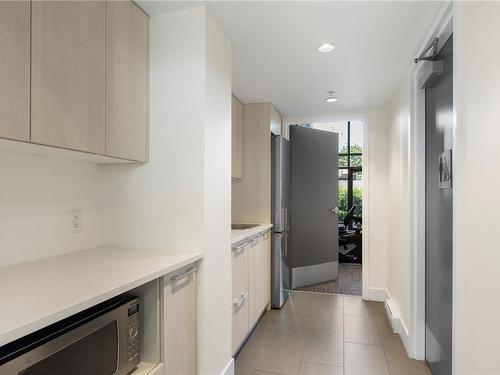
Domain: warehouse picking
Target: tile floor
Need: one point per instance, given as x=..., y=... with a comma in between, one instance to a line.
x=321, y=334
x=348, y=282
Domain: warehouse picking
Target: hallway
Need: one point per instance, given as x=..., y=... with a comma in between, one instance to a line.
x=320, y=334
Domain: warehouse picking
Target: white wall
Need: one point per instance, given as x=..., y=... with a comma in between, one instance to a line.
x=36, y=194
x=215, y=312
x=379, y=202
x=399, y=276
x=476, y=185
x=147, y=203
x=180, y=201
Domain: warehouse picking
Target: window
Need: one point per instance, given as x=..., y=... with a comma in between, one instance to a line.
x=350, y=166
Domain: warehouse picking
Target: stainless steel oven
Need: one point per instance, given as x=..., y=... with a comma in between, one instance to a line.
x=103, y=340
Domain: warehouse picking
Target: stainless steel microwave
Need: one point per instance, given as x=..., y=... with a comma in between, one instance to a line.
x=104, y=340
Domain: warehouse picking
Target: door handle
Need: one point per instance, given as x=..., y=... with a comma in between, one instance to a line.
x=335, y=210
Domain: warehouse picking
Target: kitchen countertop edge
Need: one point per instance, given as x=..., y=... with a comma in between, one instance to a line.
x=238, y=235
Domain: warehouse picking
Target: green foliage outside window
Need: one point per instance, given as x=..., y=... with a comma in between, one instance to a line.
x=356, y=161
x=357, y=199
x=357, y=193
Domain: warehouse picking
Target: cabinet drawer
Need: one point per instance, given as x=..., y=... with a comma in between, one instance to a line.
x=239, y=266
x=180, y=328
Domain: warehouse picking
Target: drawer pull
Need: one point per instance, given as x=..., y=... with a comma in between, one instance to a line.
x=183, y=277
x=239, y=301
x=240, y=248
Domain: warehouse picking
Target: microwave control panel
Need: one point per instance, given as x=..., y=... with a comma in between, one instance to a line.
x=134, y=341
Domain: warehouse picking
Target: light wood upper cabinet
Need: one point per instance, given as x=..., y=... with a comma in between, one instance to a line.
x=68, y=74
x=180, y=333
x=15, y=70
x=127, y=81
x=237, y=138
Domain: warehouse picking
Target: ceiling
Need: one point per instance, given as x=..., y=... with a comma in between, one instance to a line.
x=275, y=57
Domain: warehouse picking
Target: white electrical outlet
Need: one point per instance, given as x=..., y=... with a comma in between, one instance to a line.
x=75, y=220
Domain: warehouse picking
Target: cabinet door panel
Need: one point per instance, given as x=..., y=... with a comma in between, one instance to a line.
x=15, y=70
x=266, y=268
x=255, y=289
x=127, y=81
x=180, y=326
x=68, y=74
x=240, y=294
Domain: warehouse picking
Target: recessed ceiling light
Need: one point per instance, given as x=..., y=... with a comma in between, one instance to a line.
x=326, y=47
x=331, y=98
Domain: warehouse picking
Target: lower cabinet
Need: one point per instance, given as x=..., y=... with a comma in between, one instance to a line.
x=251, y=283
x=265, y=248
x=255, y=278
x=180, y=333
x=240, y=293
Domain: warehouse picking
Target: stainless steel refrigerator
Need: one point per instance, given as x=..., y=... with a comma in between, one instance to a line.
x=280, y=169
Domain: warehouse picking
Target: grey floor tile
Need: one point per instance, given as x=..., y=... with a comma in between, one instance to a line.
x=244, y=363
x=325, y=347
x=301, y=302
x=308, y=368
x=361, y=330
x=329, y=301
x=362, y=359
x=282, y=354
x=357, y=306
x=316, y=334
x=398, y=361
x=286, y=322
x=257, y=341
x=326, y=318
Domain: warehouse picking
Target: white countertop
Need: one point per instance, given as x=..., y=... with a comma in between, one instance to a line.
x=37, y=294
x=238, y=235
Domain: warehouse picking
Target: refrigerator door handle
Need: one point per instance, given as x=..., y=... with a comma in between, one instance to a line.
x=279, y=217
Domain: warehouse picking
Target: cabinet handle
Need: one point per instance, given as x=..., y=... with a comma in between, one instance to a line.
x=183, y=277
x=239, y=301
x=240, y=248
x=254, y=240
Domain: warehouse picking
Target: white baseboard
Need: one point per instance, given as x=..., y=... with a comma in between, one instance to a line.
x=378, y=294
x=317, y=273
x=229, y=369
x=397, y=324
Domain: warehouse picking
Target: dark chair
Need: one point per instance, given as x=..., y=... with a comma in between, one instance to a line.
x=349, y=217
x=350, y=239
